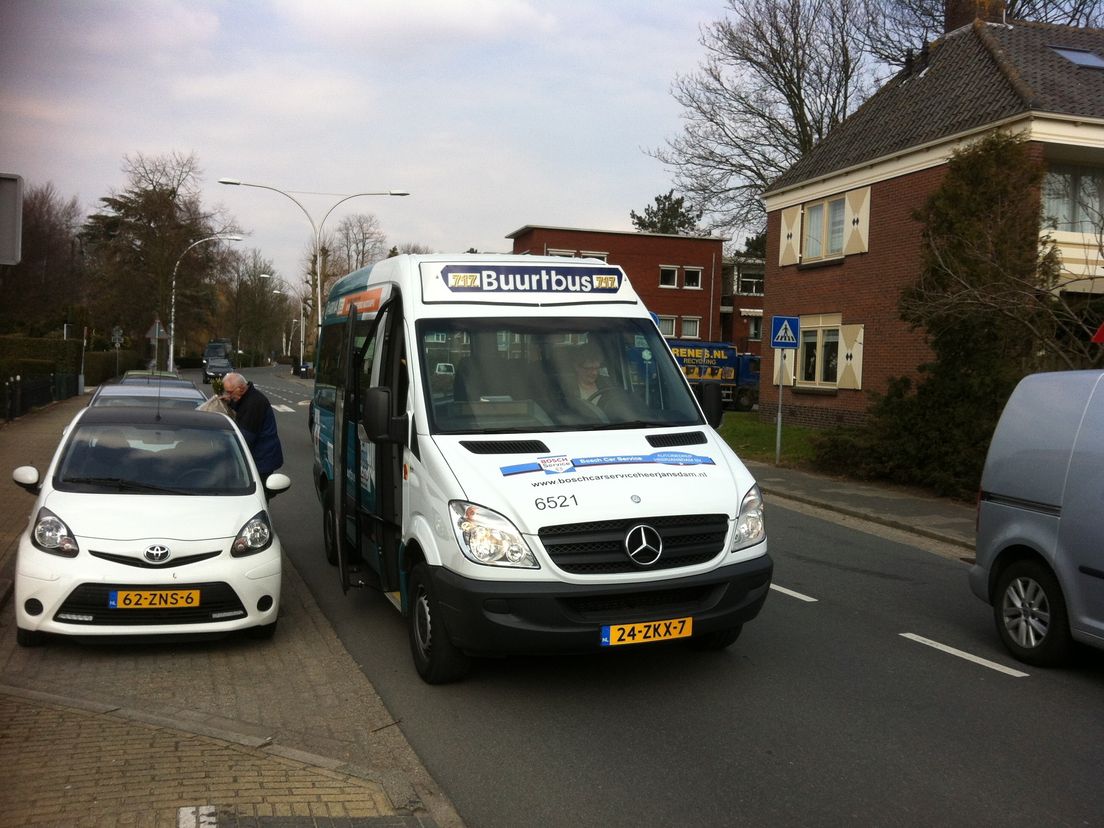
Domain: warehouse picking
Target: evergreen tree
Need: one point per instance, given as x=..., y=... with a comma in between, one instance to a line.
x=668, y=215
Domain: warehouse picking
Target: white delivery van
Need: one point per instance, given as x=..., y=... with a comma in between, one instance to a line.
x=559, y=490
x=1040, y=531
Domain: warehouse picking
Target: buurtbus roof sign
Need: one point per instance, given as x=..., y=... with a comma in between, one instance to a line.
x=514, y=283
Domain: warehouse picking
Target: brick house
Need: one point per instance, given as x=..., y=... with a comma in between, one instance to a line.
x=841, y=242
x=680, y=278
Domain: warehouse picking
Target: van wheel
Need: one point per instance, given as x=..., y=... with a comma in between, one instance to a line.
x=716, y=640
x=329, y=529
x=1031, y=617
x=436, y=658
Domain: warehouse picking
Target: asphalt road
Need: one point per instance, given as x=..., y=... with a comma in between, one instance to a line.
x=840, y=703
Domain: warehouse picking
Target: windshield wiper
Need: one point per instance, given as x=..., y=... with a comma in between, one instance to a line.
x=624, y=424
x=123, y=485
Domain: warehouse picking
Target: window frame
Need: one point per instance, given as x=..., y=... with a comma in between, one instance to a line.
x=826, y=208
x=660, y=320
x=672, y=269
x=697, y=271
x=822, y=336
x=682, y=327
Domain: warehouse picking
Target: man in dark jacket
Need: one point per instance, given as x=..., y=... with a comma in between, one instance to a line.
x=256, y=420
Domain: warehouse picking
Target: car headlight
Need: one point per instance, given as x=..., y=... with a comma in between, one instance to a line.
x=750, y=527
x=50, y=534
x=486, y=537
x=254, y=537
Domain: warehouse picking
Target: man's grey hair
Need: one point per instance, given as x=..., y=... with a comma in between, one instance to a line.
x=233, y=379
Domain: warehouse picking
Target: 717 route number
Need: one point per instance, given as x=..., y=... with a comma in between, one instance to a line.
x=555, y=502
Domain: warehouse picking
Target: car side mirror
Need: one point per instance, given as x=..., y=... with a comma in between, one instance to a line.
x=712, y=403
x=378, y=423
x=26, y=477
x=276, y=484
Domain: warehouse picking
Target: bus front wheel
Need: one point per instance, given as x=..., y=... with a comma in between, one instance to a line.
x=436, y=658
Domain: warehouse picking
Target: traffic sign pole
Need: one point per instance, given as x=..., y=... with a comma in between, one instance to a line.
x=785, y=336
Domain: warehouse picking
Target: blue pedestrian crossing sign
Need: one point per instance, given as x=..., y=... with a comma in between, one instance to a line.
x=785, y=331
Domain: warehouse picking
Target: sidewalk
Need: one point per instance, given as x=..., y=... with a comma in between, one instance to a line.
x=234, y=732
x=230, y=732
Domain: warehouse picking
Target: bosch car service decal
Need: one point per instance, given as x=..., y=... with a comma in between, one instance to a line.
x=561, y=464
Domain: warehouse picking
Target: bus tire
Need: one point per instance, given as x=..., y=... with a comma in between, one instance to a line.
x=743, y=400
x=436, y=658
x=329, y=529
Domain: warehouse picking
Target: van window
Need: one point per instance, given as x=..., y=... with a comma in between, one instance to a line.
x=529, y=374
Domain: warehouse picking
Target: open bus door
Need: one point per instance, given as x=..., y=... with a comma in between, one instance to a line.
x=372, y=422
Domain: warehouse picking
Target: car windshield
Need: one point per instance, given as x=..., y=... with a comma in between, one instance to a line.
x=530, y=374
x=153, y=459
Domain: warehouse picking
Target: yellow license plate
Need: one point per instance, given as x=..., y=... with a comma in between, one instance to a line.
x=153, y=598
x=617, y=634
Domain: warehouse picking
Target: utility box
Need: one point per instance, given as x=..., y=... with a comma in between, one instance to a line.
x=11, y=218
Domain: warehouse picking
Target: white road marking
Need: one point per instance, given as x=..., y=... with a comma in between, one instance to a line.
x=793, y=594
x=287, y=409
x=992, y=665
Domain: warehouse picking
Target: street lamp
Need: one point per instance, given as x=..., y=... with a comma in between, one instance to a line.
x=317, y=228
x=172, y=301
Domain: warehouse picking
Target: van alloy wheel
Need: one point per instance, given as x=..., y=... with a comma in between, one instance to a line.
x=1030, y=613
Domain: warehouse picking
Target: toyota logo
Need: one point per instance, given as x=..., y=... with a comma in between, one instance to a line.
x=157, y=553
x=643, y=545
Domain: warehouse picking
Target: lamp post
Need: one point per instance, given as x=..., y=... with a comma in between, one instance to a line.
x=317, y=228
x=172, y=300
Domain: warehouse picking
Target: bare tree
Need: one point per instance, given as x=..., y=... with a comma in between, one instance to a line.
x=777, y=77
x=359, y=241
x=895, y=27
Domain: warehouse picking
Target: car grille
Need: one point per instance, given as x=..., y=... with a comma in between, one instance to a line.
x=130, y=560
x=597, y=548
x=88, y=604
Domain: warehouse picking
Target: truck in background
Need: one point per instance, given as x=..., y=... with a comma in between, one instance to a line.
x=722, y=363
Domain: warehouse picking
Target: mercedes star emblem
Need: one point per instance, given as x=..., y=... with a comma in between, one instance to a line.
x=643, y=545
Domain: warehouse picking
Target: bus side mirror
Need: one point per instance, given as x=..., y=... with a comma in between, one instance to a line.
x=380, y=426
x=712, y=403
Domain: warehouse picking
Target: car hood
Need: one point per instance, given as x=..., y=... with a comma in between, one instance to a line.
x=587, y=476
x=137, y=517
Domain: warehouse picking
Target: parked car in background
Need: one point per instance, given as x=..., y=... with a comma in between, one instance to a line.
x=1040, y=534
x=148, y=523
x=216, y=367
x=168, y=396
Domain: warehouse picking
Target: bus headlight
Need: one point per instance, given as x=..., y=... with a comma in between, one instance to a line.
x=486, y=537
x=750, y=527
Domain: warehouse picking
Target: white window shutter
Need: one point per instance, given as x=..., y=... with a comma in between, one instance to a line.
x=789, y=248
x=791, y=363
x=850, y=374
x=856, y=219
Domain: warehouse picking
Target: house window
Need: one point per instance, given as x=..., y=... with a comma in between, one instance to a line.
x=750, y=283
x=667, y=325
x=668, y=277
x=1074, y=199
x=691, y=326
x=818, y=359
x=823, y=229
x=591, y=254
x=755, y=328
x=692, y=278
x=1090, y=60
x=554, y=252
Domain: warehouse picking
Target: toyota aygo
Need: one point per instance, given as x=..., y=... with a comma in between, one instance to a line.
x=148, y=522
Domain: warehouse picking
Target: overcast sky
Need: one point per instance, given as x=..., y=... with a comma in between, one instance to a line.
x=494, y=114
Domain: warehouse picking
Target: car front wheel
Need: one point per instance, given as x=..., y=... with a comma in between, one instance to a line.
x=1030, y=613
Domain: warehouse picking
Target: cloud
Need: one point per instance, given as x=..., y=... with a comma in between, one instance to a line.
x=390, y=24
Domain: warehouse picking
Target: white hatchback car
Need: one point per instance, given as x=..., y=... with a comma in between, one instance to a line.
x=148, y=522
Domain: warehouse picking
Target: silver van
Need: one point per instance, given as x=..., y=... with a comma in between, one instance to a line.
x=1040, y=529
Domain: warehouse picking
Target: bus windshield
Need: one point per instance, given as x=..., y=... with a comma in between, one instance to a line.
x=511, y=375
